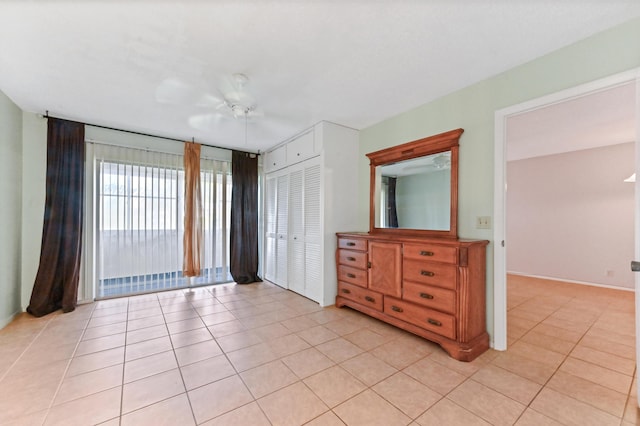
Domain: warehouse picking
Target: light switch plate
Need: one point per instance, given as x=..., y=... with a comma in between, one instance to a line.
x=483, y=222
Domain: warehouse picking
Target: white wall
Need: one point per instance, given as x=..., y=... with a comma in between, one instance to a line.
x=571, y=217
x=10, y=208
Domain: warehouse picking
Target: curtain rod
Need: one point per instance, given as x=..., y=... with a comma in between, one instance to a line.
x=46, y=115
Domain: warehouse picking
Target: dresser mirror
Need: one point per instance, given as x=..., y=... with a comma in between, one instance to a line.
x=414, y=187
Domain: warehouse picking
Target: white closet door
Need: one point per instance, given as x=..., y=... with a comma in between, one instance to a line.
x=282, y=230
x=312, y=208
x=312, y=232
x=296, y=231
x=271, y=219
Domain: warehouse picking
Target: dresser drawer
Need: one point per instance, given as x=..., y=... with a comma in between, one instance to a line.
x=426, y=318
x=431, y=253
x=438, y=274
x=357, y=259
x=352, y=244
x=429, y=296
x=360, y=295
x=352, y=275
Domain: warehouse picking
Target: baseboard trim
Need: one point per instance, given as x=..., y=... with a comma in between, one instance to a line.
x=4, y=322
x=564, y=280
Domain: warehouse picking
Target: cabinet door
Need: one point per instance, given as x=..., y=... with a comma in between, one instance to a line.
x=300, y=148
x=385, y=274
x=275, y=160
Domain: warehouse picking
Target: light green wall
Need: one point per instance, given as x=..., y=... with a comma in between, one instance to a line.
x=473, y=108
x=10, y=208
x=34, y=175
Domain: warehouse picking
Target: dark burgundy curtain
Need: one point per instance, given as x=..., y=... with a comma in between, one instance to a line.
x=244, y=218
x=391, y=200
x=56, y=284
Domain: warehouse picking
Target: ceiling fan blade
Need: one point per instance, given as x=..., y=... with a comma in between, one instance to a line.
x=210, y=101
x=256, y=113
x=175, y=91
x=239, y=97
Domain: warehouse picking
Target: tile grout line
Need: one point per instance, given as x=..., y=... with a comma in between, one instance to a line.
x=255, y=400
x=629, y=396
x=124, y=362
x=186, y=391
x=25, y=350
x=66, y=369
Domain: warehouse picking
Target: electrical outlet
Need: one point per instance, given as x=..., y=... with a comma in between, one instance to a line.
x=483, y=222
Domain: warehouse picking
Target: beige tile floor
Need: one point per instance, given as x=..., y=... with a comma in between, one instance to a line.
x=259, y=355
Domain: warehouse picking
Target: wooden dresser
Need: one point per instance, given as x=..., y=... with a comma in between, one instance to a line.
x=432, y=287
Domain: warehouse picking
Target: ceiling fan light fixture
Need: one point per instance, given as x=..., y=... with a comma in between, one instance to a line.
x=241, y=79
x=238, y=110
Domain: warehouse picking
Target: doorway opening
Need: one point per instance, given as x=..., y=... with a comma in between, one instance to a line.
x=502, y=119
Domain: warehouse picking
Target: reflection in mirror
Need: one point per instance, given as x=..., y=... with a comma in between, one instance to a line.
x=415, y=194
x=414, y=187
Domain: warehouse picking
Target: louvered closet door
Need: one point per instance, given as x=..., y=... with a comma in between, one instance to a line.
x=312, y=232
x=271, y=220
x=282, y=225
x=296, y=231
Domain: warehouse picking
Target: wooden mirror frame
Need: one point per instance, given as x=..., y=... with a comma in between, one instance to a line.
x=448, y=141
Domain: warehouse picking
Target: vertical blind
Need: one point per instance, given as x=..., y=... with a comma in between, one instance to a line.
x=139, y=221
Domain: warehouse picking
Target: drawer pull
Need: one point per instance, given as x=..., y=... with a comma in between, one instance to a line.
x=370, y=299
x=426, y=296
x=346, y=291
x=426, y=253
x=351, y=259
x=427, y=273
x=434, y=322
x=351, y=244
x=395, y=308
x=351, y=275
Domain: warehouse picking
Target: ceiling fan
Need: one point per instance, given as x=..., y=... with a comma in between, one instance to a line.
x=234, y=101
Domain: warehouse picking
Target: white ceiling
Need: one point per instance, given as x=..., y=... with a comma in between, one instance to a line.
x=351, y=62
x=603, y=118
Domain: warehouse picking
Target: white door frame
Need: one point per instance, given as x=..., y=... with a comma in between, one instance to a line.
x=500, y=189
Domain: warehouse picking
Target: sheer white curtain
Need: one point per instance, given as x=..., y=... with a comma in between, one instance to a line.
x=216, y=201
x=138, y=220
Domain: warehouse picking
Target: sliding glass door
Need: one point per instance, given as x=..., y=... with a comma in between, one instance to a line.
x=139, y=221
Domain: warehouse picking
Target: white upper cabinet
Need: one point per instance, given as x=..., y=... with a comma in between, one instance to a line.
x=300, y=148
x=276, y=159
